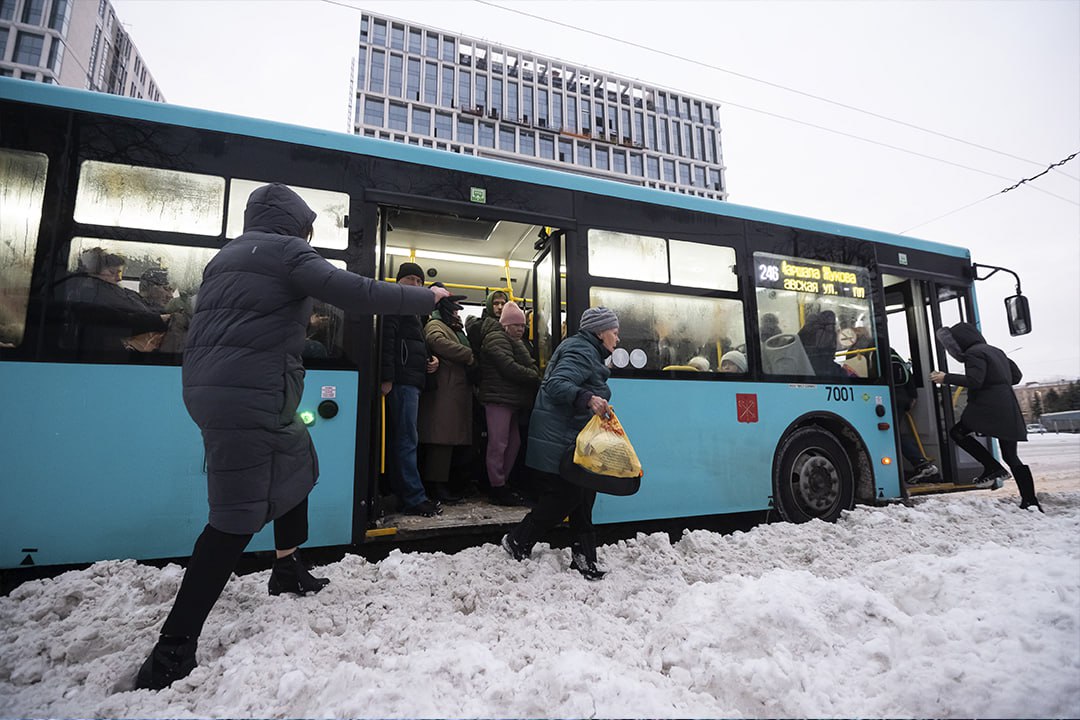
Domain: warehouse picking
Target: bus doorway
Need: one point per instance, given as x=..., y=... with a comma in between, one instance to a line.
x=479, y=257
x=915, y=309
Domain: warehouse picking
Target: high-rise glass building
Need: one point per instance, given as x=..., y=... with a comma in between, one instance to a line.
x=420, y=85
x=75, y=43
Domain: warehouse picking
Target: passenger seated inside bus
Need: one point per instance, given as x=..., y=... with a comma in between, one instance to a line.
x=733, y=361
x=819, y=340
x=102, y=316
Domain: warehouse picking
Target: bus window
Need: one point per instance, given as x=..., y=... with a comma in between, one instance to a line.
x=815, y=318
x=660, y=331
x=697, y=265
x=331, y=212
x=149, y=198
x=626, y=256
x=22, y=189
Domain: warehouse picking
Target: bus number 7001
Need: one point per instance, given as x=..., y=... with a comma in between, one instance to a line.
x=839, y=394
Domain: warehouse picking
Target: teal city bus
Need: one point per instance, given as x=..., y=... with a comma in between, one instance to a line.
x=102, y=461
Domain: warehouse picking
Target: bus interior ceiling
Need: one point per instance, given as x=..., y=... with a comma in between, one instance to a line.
x=471, y=256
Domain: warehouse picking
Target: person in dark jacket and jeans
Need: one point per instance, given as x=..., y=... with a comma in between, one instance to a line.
x=243, y=380
x=991, y=409
x=404, y=370
x=574, y=389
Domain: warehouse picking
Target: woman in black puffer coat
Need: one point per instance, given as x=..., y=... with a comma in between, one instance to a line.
x=243, y=380
x=991, y=410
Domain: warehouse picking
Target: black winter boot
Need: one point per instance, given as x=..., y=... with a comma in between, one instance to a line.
x=171, y=659
x=1026, y=484
x=583, y=558
x=290, y=575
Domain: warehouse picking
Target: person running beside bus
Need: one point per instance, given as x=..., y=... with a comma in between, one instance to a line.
x=992, y=409
x=507, y=387
x=445, y=419
x=574, y=388
x=243, y=379
x=404, y=372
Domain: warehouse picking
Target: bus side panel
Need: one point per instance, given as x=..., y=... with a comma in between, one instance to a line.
x=103, y=462
x=699, y=458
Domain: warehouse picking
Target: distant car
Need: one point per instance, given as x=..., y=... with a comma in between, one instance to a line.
x=1036, y=428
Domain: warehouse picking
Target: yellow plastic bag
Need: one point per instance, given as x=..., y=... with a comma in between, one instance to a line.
x=603, y=448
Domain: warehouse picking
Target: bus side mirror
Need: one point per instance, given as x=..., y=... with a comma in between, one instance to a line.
x=1016, y=307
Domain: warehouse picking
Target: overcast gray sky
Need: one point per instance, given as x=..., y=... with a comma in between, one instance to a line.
x=1003, y=75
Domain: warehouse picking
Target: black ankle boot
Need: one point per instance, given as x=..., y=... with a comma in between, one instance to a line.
x=171, y=659
x=583, y=558
x=290, y=575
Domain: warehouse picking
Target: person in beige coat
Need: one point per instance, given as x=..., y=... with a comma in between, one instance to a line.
x=446, y=408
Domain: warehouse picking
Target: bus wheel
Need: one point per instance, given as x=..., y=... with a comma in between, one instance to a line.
x=812, y=476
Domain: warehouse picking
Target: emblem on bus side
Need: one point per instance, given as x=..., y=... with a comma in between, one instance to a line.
x=746, y=407
x=478, y=195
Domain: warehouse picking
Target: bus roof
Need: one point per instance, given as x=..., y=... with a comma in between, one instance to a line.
x=106, y=104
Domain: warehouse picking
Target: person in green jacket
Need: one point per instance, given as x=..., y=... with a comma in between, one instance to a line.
x=508, y=382
x=574, y=389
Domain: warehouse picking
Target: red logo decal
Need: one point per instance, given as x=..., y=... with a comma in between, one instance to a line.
x=746, y=407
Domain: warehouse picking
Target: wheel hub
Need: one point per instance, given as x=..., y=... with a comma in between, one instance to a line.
x=817, y=481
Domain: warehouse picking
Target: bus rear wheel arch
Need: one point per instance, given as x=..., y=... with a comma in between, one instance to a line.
x=813, y=475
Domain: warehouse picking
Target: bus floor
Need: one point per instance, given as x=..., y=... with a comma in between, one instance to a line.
x=474, y=512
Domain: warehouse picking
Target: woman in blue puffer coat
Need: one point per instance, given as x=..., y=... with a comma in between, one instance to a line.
x=574, y=389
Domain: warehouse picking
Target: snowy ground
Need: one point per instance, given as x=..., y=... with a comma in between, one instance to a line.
x=961, y=605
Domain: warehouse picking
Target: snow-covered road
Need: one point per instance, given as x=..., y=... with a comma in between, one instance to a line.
x=960, y=605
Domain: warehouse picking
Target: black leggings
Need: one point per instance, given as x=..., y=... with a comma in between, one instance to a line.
x=558, y=499
x=961, y=435
x=213, y=561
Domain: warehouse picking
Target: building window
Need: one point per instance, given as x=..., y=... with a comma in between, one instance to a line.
x=465, y=130
x=618, y=161
x=373, y=112
x=653, y=166
x=397, y=37
x=584, y=154
x=60, y=16
x=444, y=126
x=566, y=151
x=33, y=11
x=379, y=35
x=512, y=101
x=506, y=139
x=527, y=113
x=431, y=83
x=413, y=80
x=481, y=90
x=714, y=180
x=377, y=79
x=56, y=58
x=431, y=48
x=447, y=86
x=399, y=117
x=527, y=143
x=556, y=111
x=571, y=113
x=361, y=69
x=396, y=68
x=669, y=171
x=487, y=135
x=586, y=115
x=7, y=9
x=416, y=40
x=363, y=28
x=28, y=48
x=602, y=161
x=542, y=116
x=497, y=96
x=624, y=123
x=547, y=147
x=449, y=53
x=464, y=89
x=421, y=121
x=684, y=174
x=688, y=141
x=699, y=176
x=636, y=167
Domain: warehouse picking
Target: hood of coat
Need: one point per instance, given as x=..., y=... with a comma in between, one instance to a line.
x=959, y=338
x=277, y=209
x=489, y=311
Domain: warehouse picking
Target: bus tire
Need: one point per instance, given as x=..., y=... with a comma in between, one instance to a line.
x=812, y=476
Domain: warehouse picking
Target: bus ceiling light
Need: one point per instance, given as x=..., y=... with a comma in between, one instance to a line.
x=886, y=460
x=455, y=257
x=307, y=417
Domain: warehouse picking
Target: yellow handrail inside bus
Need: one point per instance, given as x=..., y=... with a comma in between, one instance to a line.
x=915, y=434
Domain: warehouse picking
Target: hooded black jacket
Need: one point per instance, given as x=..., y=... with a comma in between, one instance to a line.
x=989, y=375
x=243, y=377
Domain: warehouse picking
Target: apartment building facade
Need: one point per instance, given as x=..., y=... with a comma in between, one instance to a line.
x=424, y=86
x=75, y=43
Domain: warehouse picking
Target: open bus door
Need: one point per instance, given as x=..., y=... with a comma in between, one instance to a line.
x=548, y=321
x=915, y=309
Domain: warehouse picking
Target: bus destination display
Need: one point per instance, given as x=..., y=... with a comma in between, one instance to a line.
x=810, y=276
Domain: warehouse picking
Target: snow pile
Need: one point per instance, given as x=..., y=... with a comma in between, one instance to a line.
x=960, y=605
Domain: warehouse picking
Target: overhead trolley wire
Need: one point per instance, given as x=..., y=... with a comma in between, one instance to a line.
x=1000, y=192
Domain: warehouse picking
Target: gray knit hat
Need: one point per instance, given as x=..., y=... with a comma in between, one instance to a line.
x=597, y=320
